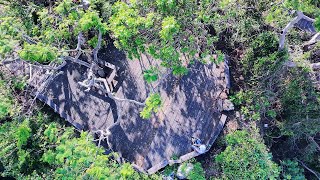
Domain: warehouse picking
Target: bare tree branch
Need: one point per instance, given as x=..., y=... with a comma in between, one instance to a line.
x=108, y=92
x=97, y=48
x=314, y=39
x=310, y=170
x=314, y=142
x=299, y=16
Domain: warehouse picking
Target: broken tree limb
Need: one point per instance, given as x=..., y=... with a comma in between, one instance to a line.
x=315, y=38
x=123, y=99
x=49, y=67
x=90, y=81
x=75, y=60
x=108, y=92
x=299, y=16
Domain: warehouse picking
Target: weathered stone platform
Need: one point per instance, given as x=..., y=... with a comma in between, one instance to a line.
x=192, y=107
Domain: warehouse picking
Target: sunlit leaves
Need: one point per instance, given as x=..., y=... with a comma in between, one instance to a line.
x=126, y=170
x=166, y=5
x=153, y=102
x=179, y=70
x=246, y=157
x=125, y=24
x=6, y=103
x=6, y=46
x=169, y=28
x=307, y=6
x=91, y=20
x=64, y=7
x=51, y=132
x=23, y=134
x=79, y=157
x=38, y=53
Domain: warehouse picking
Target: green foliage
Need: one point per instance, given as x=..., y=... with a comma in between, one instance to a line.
x=19, y=83
x=41, y=148
x=246, y=157
x=7, y=103
x=291, y=170
x=307, y=6
x=126, y=171
x=21, y=148
x=263, y=57
x=160, y=29
x=197, y=173
x=38, y=53
x=170, y=27
x=151, y=75
x=91, y=20
x=279, y=13
x=51, y=133
x=6, y=46
x=43, y=34
x=242, y=23
x=301, y=105
x=179, y=70
x=23, y=133
x=254, y=105
x=317, y=23
x=80, y=158
x=153, y=102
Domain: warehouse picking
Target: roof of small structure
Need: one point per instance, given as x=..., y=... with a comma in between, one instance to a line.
x=192, y=107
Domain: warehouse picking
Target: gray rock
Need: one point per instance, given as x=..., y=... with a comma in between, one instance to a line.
x=227, y=105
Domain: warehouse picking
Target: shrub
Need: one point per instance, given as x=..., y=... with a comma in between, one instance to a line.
x=246, y=157
x=262, y=57
x=197, y=173
x=6, y=103
x=291, y=170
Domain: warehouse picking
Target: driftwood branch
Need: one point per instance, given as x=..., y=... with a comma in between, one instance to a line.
x=315, y=38
x=102, y=135
x=299, y=16
x=110, y=95
x=91, y=79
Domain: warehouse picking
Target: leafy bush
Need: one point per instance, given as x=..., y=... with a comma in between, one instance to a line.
x=160, y=29
x=197, y=173
x=7, y=102
x=246, y=157
x=23, y=133
x=262, y=57
x=291, y=170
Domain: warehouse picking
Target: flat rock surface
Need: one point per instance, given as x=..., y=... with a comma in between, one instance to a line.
x=191, y=107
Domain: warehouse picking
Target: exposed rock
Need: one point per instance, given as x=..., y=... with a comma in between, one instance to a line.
x=223, y=95
x=227, y=105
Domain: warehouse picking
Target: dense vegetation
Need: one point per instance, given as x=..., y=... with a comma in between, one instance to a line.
x=278, y=132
